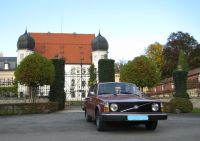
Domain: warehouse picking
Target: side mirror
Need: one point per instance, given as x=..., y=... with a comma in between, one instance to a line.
x=92, y=93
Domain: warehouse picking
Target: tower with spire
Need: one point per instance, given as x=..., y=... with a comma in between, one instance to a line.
x=25, y=46
x=99, y=49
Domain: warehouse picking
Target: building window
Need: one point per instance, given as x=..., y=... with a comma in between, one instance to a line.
x=199, y=78
x=21, y=56
x=172, y=85
x=6, y=66
x=72, y=82
x=73, y=70
x=105, y=56
x=84, y=71
x=95, y=58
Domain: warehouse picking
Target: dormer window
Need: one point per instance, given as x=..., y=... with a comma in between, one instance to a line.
x=6, y=66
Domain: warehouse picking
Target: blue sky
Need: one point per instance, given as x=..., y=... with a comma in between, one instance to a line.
x=128, y=25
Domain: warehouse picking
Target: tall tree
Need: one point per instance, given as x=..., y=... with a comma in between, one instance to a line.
x=176, y=42
x=35, y=70
x=141, y=71
x=154, y=52
x=93, y=75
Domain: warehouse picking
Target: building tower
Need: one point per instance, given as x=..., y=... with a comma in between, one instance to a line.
x=99, y=49
x=25, y=46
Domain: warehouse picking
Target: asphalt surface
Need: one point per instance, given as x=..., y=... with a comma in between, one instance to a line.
x=70, y=125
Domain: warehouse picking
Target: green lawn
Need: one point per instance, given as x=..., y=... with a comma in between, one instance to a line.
x=195, y=110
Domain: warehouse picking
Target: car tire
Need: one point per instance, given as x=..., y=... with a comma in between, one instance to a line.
x=87, y=117
x=100, y=124
x=151, y=125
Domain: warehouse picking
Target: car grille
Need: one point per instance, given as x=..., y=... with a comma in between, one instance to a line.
x=135, y=107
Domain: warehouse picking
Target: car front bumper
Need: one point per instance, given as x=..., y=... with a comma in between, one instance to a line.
x=133, y=116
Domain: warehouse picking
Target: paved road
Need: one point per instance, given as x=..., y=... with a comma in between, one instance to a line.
x=70, y=125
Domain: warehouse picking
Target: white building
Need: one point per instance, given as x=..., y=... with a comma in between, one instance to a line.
x=78, y=50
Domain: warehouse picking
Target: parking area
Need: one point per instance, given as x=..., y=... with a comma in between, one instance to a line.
x=70, y=125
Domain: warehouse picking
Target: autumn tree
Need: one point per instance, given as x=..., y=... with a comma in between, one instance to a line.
x=176, y=42
x=141, y=71
x=154, y=53
x=33, y=71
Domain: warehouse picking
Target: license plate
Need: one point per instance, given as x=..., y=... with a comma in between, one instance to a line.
x=137, y=118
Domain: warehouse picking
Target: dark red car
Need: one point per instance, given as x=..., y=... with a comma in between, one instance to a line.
x=119, y=102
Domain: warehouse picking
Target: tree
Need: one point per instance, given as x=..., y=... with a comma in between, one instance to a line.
x=93, y=75
x=194, y=58
x=141, y=71
x=106, y=70
x=118, y=66
x=176, y=42
x=33, y=71
x=154, y=52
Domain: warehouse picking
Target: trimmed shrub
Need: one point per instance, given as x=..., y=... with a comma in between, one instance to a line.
x=106, y=70
x=57, y=93
x=180, y=82
x=183, y=105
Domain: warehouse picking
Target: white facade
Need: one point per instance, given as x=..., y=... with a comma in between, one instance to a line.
x=21, y=54
x=73, y=81
x=97, y=55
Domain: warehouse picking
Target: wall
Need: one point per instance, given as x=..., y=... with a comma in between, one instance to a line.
x=22, y=100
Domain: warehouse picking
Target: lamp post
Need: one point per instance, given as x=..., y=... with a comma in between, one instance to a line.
x=81, y=63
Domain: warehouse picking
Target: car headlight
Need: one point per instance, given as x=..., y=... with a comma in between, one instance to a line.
x=155, y=107
x=113, y=107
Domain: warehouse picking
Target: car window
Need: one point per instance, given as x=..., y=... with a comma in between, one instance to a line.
x=118, y=88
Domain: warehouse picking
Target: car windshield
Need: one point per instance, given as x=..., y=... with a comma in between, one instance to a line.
x=118, y=88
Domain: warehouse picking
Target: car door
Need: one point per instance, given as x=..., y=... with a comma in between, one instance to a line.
x=89, y=101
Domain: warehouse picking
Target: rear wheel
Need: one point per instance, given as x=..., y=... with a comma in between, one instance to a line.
x=151, y=125
x=87, y=117
x=100, y=124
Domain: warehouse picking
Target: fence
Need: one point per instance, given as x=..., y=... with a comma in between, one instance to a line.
x=8, y=88
x=193, y=89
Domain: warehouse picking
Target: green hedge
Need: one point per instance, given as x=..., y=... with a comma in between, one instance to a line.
x=106, y=70
x=28, y=108
x=183, y=105
x=180, y=82
x=57, y=93
x=8, y=91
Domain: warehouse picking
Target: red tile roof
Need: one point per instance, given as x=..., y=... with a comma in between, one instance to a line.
x=72, y=46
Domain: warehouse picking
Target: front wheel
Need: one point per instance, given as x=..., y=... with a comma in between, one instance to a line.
x=151, y=125
x=100, y=124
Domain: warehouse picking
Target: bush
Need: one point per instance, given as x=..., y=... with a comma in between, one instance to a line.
x=183, y=105
x=106, y=70
x=28, y=108
x=166, y=107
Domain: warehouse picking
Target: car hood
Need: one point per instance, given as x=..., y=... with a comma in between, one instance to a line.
x=124, y=98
